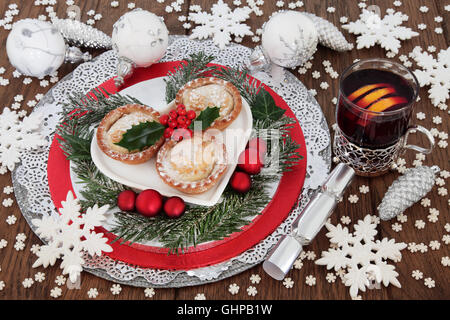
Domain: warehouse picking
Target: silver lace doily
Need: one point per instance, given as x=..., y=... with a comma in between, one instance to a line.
x=32, y=190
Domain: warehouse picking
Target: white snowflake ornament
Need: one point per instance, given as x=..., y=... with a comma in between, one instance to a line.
x=221, y=23
x=386, y=32
x=435, y=73
x=70, y=241
x=18, y=136
x=364, y=258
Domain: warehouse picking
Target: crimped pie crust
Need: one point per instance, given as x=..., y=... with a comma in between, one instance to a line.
x=110, y=119
x=223, y=121
x=194, y=187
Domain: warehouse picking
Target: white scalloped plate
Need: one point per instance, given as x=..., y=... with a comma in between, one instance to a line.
x=144, y=176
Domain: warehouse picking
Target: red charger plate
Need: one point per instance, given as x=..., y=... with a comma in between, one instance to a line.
x=214, y=252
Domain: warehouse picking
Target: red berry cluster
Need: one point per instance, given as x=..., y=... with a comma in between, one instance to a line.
x=150, y=202
x=177, y=123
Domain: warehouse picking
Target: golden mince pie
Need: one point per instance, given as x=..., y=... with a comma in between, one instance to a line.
x=192, y=165
x=202, y=93
x=131, y=134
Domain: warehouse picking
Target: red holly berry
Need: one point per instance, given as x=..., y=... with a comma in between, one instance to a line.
x=181, y=120
x=178, y=134
x=240, y=182
x=149, y=203
x=174, y=207
x=168, y=132
x=125, y=200
x=191, y=115
x=173, y=114
x=187, y=134
x=181, y=111
x=164, y=119
x=181, y=106
x=188, y=122
x=250, y=161
x=259, y=144
x=173, y=123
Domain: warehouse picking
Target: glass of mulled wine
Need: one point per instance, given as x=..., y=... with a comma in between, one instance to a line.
x=376, y=100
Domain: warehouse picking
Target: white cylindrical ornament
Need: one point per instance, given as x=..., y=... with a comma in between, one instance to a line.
x=35, y=48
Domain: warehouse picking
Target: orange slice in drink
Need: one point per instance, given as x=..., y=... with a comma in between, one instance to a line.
x=372, y=97
x=380, y=106
x=363, y=90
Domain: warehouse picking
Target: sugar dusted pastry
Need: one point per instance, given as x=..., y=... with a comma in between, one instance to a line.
x=116, y=123
x=192, y=165
x=202, y=93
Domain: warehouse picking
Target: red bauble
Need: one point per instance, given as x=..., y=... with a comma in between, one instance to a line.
x=149, y=203
x=125, y=200
x=174, y=207
x=240, y=182
x=258, y=144
x=250, y=161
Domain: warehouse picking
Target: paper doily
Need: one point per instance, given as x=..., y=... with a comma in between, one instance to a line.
x=30, y=177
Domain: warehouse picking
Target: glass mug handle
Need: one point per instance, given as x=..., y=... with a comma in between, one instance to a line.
x=417, y=148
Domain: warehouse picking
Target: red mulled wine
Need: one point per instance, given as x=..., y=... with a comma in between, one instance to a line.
x=374, y=107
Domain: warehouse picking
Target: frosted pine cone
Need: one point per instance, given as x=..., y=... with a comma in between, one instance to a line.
x=412, y=186
x=329, y=34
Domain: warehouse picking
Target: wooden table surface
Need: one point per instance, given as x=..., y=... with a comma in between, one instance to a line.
x=16, y=265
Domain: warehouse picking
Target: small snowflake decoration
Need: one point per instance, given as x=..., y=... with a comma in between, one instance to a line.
x=70, y=235
x=221, y=23
x=386, y=32
x=435, y=73
x=18, y=136
x=361, y=255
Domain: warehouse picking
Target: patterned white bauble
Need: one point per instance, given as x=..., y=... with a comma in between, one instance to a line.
x=35, y=48
x=141, y=37
x=289, y=39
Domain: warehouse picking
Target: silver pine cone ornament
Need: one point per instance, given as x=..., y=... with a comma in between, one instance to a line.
x=409, y=188
x=329, y=34
x=80, y=34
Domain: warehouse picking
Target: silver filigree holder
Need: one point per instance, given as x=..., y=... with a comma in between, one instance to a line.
x=375, y=162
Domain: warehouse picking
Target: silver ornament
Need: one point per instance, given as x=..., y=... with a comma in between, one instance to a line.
x=329, y=34
x=409, y=188
x=80, y=34
x=75, y=55
x=125, y=68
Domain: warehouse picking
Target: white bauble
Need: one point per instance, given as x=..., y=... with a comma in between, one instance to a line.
x=289, y=39
x=35, y=48
x=141, y=37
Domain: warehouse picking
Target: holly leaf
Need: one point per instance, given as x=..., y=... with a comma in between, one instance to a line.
x=142, y=135
x=264, y=107
x=206, y=117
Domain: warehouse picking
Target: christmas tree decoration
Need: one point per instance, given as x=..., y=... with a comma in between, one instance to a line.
x=435, y=73
x=260, y=145
x=386, y=32
x=221, y=23
x=79, y=34
x=250, y=161
x=241, y=182
x=289, y=39
x=36, y=48
x=70, y=236
x=409, y=188
x=140, y=39
x=18, y=136
x=149, y=203
x=329, y=35
x=363, y=257
x=174, y=207
x=126, y=200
